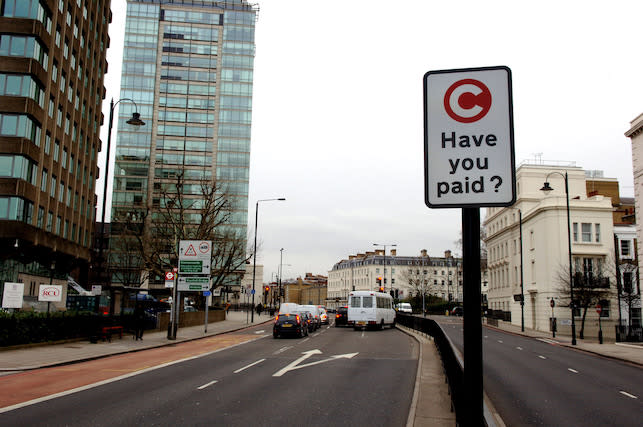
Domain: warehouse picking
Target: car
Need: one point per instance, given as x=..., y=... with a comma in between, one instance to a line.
x=404, y=307
x=189, y=308
x=308, y=318
x=314, y=311
x=323, y=316
x=457, y=311
x=341, y=317
x=289, y=324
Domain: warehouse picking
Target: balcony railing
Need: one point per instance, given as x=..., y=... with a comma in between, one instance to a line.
x=591, y=282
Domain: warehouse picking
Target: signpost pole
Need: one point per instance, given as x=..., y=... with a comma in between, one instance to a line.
x=472, y=378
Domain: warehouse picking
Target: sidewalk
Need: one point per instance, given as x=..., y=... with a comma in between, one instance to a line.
x=41, y=356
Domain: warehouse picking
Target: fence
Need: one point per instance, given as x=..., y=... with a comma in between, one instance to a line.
x=452, y=364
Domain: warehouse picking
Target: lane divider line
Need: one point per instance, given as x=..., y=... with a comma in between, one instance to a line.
x=207, y=385
x=248, y=366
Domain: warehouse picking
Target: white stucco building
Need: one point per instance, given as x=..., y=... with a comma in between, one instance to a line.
x=440, y=276
x=544, y=249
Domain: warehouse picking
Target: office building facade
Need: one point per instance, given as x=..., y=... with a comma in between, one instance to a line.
x=188, y=71
x=52, y=66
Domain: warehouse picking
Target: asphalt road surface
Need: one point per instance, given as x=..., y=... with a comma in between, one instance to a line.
x=336, y=376
x=534, y=382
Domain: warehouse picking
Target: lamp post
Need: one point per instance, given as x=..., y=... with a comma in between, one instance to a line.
x=384, y=275
x=254, y=255
x=281, y=259
x=522, y=281
x=135, y=121
x=547, y=188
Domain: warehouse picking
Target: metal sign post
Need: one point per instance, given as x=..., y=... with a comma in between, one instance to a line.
x=469, y=163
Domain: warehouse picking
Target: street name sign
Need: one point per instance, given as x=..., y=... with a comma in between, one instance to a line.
x=195, y=256
x=193, y=283
x=468, y=138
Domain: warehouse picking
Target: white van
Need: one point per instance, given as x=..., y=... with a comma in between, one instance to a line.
x=289, y=308
x=370, y=309
x=404, y=307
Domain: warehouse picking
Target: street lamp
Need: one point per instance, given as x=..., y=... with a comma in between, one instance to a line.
x=384, y=275
x=281, y=259
x=254, y=266
x=522, y=289
x=135, y=121
x=547, y=188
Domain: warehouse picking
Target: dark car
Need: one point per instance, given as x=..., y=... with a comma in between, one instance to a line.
x=457, y=311
x=289, y=324
x=308, y=318
x=341, y=317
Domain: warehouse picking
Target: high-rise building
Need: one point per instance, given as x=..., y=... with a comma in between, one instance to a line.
x=52, y=65
x=188, y=71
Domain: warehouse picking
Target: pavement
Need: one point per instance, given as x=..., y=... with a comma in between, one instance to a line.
x=431, y=405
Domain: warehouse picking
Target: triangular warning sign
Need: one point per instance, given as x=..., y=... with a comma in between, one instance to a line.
x=190, y=251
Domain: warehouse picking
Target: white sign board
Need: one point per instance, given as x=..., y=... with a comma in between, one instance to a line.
x=12, y=295
x=52, y=293
x=468, y=138
x=195, y=256
x=97, y=290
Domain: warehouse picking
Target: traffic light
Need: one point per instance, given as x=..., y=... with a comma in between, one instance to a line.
x=381, y=288
x=379, y=281
x=266, y=289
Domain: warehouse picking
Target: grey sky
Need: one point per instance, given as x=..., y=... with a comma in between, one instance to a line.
x=337, y=112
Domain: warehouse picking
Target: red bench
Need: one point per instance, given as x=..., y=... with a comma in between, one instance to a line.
x=107, y=331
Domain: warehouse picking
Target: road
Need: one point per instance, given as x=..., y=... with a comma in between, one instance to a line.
x=336, y=376
x=536, y=382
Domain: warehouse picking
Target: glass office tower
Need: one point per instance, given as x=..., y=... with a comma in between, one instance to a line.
x=187, y=67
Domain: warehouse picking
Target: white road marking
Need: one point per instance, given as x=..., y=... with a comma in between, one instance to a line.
x=259, y=332
x=628, y=395
x=295, y=365
x=111, y=380
x=542, y=357
x=572, y=370
x=363, y=334
x=500, y=341
x=548, y=341
x=303, y=341
x=282, y=349
x=486, y=336
x=518, y=348
x=207, y=385
x=248, y=366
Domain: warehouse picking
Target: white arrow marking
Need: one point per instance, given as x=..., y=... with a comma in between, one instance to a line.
x=306, y=355
x=628, y=395
x=259, y=332
x=294, y=365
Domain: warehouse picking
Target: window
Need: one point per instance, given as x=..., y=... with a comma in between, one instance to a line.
x=43, y=181
x=627, y=282
x=597, y=232
x=367, y=302
x=586, y=232
x=605, y=308
x=356, y=302
x=625, y=248
x=575, y=232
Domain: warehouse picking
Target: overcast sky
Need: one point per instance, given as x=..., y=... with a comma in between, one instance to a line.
x=337, y=112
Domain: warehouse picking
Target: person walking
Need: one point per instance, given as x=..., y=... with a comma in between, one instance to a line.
x=139, y=321
x=259, y=309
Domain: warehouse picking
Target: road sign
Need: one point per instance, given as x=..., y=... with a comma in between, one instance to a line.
x=599, y=309
x=468, y=138
x=195, y=256
x=169, y=275
x=193, y=283
x=552, y=303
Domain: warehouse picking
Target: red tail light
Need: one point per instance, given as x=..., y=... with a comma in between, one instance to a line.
x=298, y=321
x=337, y=316
x=276, y=318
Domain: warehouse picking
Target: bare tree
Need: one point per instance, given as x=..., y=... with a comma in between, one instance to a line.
x=590, y=287
x=148, y=239
x=629, y=289
x=420, y=279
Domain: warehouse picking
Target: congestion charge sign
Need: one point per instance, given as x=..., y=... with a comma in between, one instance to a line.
x=468, y=138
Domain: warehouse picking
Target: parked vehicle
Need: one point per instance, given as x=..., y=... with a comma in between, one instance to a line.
x=289, y=324
x=341, y=317
x=370, y=309
x=457, y=311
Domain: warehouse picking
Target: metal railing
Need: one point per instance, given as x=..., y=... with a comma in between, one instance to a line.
x=452, y=364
